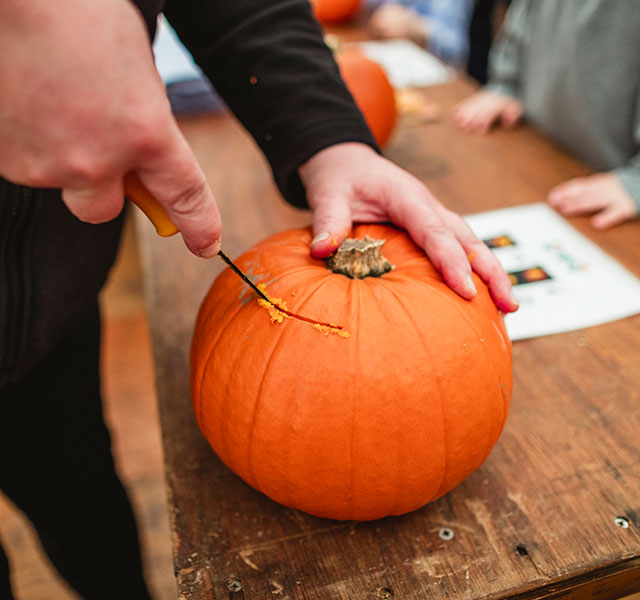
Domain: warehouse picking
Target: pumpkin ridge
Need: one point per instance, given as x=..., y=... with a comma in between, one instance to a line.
x=496, y=371
x=294, y=270
x=322, y=280
x=254, y=412
x=438, y=377
x=210, y=351
x=354, y=355
x=225, y=395
x=469, y=322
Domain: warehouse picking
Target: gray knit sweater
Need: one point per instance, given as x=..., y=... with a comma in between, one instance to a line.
x=575, y=65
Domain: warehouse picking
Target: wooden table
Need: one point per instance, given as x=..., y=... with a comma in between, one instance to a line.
x=555, y=510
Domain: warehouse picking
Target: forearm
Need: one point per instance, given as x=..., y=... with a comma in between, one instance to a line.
x=269, y=62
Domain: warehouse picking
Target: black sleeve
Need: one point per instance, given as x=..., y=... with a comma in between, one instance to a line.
x=267, y=59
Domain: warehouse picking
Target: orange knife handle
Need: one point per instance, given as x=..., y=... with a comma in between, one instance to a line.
x=135, y=190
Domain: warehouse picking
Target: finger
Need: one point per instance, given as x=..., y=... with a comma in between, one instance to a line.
x=97, y=203
x=436, y=239
x=578, y=199
x=483, y=262
x=463, y=114
x=581, y=205
x=491, y=116
x=487, y=266
x=612, y=215
x=511, y=114
x=176, y=180
x=484, y=119
x=467, y=116
x=566, y=190
x=331, y=224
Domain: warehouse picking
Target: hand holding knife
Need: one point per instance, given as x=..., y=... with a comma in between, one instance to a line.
x=157, y=214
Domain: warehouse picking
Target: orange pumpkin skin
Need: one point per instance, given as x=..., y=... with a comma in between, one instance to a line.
x=371, y=90
x=334, y=11
x=376, y=424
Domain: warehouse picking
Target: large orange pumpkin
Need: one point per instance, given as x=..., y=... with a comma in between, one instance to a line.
x=334, y=11
x=377, y=418
x=371, y=90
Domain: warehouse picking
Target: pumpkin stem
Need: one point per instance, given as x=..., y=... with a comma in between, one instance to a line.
x=359, y=258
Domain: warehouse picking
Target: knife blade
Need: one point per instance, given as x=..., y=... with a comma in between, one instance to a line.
x=137, y=192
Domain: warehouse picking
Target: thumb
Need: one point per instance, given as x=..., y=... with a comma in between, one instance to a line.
x=175, y=179
x=610, y=216
x=331, y=224
x=511, y=114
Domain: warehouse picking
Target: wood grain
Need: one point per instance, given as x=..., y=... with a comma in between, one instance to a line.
x=538, y=520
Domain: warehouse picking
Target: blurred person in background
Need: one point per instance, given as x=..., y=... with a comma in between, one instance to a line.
x=440, y=26
x=572, y=69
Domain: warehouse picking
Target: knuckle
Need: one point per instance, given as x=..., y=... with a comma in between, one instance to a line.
x=36, y=174
x=145, y=139
x=147, y=131
x=86, y=169
x=191, y=198
x=431, y=234
x=437, y=230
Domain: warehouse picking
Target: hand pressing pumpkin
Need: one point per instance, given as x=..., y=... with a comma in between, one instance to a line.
x=349, y=183
x=395, y=410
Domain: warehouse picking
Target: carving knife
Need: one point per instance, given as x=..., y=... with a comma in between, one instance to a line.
x=156, y=213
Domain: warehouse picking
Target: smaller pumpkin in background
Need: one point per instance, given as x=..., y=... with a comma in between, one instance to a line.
x=371, y=90
x=334, y=11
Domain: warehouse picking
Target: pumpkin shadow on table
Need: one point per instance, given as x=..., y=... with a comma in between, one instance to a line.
x=424, y=166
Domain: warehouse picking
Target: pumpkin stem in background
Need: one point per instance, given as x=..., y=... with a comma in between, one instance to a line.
x=359, y=258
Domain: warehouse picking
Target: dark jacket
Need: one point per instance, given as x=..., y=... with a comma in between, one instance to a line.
x=267, y=59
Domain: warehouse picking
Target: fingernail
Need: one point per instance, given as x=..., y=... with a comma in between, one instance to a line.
x=470, y=285
x=210, y=251
x=320, y=238
x=513, y=298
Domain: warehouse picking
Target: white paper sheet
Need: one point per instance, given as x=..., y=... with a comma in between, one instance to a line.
x=406, y=64
x=567, y=282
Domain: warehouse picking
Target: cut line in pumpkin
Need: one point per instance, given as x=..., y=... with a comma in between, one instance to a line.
x=276, y=307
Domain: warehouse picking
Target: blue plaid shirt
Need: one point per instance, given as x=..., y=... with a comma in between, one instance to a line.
x=449, y=37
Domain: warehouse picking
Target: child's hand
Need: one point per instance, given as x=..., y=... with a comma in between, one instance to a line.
x=478, y=113
x=602, y=194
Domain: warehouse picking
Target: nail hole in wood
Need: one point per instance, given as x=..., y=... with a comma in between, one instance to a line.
x=622, y=522
x=521, y=549
x=234, y=584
